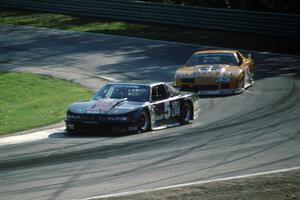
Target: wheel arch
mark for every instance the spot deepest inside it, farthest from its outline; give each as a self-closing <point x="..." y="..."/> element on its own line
<point x="147" y="110"/>
<point x="189" y="101"/>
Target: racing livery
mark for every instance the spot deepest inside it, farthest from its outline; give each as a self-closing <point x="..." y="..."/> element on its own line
<point x="216" y="72"/>
<point x="133" y="107"/>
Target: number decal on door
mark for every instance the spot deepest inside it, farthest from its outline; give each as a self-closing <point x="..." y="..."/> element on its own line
<point x="171" y="109"/>
<point x="167" y="113"/>
<point x="166" y="110"/>
<point x="175" y="108"/>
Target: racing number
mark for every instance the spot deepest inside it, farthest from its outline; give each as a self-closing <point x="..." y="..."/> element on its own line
<point x="167" y="113"/>
<point x="171" y="109"/>
<point x="166" y="110"/>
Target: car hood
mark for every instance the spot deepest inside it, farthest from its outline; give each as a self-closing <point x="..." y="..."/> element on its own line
<point x="207" y="70"/>
<point x="105" y="106"/>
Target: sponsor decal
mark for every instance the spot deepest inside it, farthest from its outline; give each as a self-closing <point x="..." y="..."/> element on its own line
<point x="175" y="105"/>
<point x="101" y="106"/>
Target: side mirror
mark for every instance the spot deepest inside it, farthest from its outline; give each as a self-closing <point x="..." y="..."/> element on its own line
<point x="249" y="55"/>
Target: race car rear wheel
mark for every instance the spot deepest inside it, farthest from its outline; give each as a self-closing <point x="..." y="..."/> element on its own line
<point x="144" y="122"/>
<point x="186" y="114"/>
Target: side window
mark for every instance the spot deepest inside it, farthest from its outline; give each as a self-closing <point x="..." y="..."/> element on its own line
<point x="240" y="59"/>
<point x="172" y="91"/>
<point x="192" y="61"/>
<point x="159" y="92"/>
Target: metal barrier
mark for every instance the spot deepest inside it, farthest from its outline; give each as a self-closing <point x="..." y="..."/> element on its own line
<point x="275" y="24"/>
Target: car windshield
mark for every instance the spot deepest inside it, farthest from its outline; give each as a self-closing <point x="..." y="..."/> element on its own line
<point x="131" y="92"/>
<point x="212" y="59"/>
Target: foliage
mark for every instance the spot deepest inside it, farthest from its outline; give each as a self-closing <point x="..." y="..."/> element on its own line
<point x="289" y="6"/>
<point x="226" y="39"/>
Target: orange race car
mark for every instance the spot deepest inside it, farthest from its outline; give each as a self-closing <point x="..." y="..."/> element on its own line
<point x="216" y="72"/>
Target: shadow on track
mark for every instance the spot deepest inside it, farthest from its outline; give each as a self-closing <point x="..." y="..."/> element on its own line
<point x="89" y="134"/>
<point x="114" y="56"/>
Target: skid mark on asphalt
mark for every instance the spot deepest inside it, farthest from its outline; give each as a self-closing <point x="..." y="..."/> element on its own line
<point x="191" y="184"/>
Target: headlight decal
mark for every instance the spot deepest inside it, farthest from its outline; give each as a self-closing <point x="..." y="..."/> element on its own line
<point x="73" y="116"/>
<point x="184" y="75"/>
<point x="112" y="118"/>
<point x="222" y="79"/>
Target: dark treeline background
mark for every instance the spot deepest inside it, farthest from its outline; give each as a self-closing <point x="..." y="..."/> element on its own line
<point x="286" y="6"/>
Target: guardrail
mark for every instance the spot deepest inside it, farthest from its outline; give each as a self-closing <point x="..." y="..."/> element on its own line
<point x="275" y="24"/>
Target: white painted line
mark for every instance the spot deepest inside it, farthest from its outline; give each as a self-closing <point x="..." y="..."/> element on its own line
<point x="107" y="78"/>
<point x="190" y="184"/>
<point x="31" y="137"/>
<point x="84" y="73"/>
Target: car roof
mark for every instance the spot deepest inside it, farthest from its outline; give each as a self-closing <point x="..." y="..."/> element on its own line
<point x="215" y="51"/>
<point x="140" y="82"/>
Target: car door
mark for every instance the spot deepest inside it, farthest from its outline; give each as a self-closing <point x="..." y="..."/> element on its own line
<point x="165" y="107"/>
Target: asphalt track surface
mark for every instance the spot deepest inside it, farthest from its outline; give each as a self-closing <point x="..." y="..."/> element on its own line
<point x="256" y="131"/>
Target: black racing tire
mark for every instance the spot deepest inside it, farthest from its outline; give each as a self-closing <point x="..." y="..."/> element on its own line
<point x="251" y="77"/>
<point x="186" y="113"/>
<point x="247" y="80"/>
<point x="144" y="122"/>
<point x="243" y="84"/>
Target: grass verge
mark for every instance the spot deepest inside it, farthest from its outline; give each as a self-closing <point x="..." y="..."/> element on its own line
<point x="29" y="100"/>
<point x="151" y="31"/>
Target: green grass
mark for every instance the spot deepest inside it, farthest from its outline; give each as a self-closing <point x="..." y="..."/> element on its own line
<point x="29" y="100"/>
<point x="59" y="21"/>
<point x="151" y="31"/>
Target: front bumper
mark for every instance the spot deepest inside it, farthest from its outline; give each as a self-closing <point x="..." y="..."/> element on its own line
<point x="218" y="89"/>
<point x="220" y="92"/>
<point x="100" y="127"/>
<point x="210" y="87"/>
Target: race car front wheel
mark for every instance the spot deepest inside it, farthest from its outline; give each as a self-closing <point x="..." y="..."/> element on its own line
<point x="186" y="114"/>
<point x="144" y="122"/>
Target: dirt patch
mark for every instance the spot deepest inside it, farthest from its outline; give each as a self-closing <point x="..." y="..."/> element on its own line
<point x="279" y="186"/>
